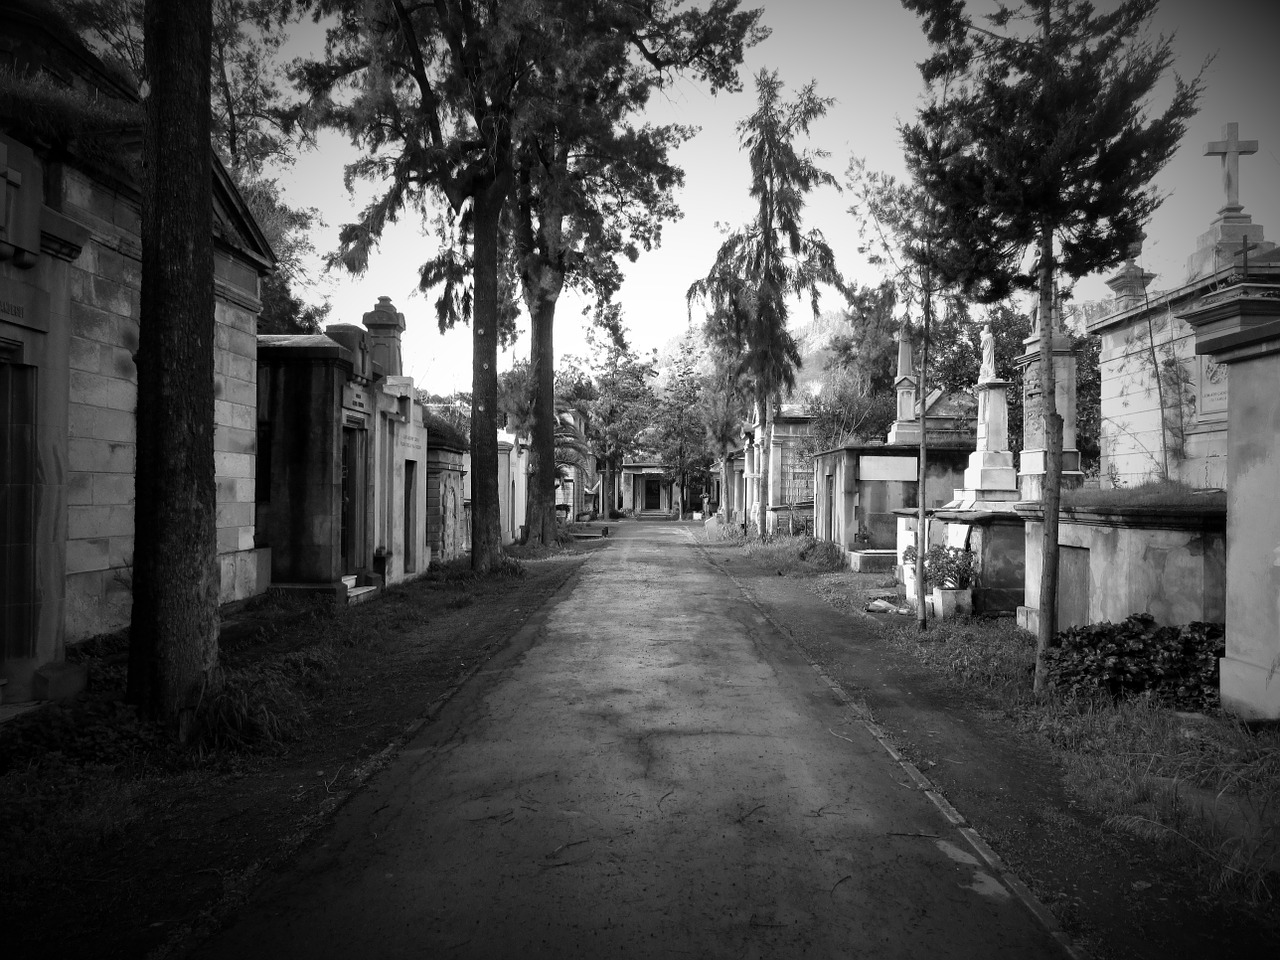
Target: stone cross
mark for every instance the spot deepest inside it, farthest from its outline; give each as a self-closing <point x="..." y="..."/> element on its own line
<point x="1230" y="148"/>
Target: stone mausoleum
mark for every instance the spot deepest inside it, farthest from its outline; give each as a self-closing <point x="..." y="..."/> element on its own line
<point x="342" y="475"/>
<point x="70" y="282"/>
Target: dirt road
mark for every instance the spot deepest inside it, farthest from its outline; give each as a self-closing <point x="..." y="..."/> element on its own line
<point x="650" y="770"/>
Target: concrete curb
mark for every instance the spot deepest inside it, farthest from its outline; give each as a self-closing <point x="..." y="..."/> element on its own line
<point x="862" y="715"/>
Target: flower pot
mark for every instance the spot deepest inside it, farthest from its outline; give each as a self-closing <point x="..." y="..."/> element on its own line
<point x="948" y="603"/>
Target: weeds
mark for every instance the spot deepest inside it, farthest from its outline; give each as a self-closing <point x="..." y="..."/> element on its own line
<point x="1166" y="494"/>
<point x="795" y="556"/>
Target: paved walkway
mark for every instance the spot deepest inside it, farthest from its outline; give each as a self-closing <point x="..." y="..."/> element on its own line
<point x="654" y="773"/>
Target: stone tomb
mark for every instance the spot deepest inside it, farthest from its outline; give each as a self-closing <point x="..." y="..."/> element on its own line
<point x="863" y="488"/>
<point x="70" y="278"/>
<point x="1239" y="327"/>
<point x="1184" y="438"/>
<point x="448" y="529"/>
<point x="341" y="487"/>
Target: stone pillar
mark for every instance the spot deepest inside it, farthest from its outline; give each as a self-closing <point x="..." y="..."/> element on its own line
<point x="385" y="325"/>
<point x="1032" y="464"/>
<point x="1240" y="326"/>
<point x="990" y="477"/>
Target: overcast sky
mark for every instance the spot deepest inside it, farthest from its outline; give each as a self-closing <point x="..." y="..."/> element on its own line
<point x="864" y="54"/>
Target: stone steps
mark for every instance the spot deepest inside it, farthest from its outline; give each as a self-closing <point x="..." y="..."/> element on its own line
<point x="357" y="594"/>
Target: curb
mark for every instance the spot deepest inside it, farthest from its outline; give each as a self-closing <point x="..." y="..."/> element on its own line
<point x="1007" y="877"/>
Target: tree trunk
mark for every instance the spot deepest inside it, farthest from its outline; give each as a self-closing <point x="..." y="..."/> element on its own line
<point x="542" y="448"/>
<point x="173" y="645"/>
<point x="766" y="469"/>
<point x="486" y="509"/>
<point x="725" y="505"/>
<point x="922" y="468"/>
<point x="1052" y="492"/>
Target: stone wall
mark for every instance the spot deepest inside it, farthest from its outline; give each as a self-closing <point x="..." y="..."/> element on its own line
<point x="1194" y="403"/>
<point x="105" y="290"/>
<point x="1170" y="564"/>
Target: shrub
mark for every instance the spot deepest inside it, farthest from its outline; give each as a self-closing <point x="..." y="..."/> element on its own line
<point x="1177" y="665"/>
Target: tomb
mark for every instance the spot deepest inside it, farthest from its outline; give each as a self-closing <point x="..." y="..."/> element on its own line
<point x="866" y="494"/>
<point x="70" y="280"/>
<point x="342" y="477"/>
<point x="1239" y="328"/>
<point x="645" y="489"/>
<point x="1173" y="364"/>
<point x="1164" y="404"/>
<point x="448" y="529"/>
<point x="513" y="485"/>
<point x="864" y="489"/>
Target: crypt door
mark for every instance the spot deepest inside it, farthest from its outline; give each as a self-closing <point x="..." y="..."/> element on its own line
<point x="354" y="443"/>
<point x="17" y="509"/>
<point x="652" y="492"/>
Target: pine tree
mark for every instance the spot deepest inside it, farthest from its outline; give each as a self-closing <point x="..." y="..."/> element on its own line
<point x="1044" y="144"/>
<point x="758" y="268"/>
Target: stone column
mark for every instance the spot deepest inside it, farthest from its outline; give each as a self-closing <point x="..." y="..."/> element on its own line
<point x="1240" y="327"/>
<point x="1031" y="468"/>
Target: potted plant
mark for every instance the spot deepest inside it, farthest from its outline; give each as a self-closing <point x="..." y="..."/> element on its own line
<point x="950" y="572"/>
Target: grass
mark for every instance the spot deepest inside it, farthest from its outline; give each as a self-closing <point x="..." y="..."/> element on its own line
<point x="1164" y="494"/>
<point x="789" y="555"/>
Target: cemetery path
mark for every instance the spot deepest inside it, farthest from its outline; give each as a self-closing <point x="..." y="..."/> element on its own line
<point x="649" y="770"/>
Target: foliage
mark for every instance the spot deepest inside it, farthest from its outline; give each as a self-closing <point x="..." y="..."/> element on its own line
<point x="868" y="350"/>
<point x="455" y="409"/>
<point x="771" y="259"/>
<point x="1176" y="665"/>
<point x="1046" y="140"/>
<point x="44" y="110"/>
<point x="679" y="435"/>
<point x="252" y="125"/>
<point x="1041" y="141"/>
<point x="951" y="568"/>
<point x="615" y="390"/>
<point x="842" y="414"/>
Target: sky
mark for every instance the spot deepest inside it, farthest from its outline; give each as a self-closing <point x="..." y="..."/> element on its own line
<point x="863" y="53"/>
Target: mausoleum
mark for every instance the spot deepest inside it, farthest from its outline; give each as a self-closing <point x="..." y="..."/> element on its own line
<point x="70" y="280"/>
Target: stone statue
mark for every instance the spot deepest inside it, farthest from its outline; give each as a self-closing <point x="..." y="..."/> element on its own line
<point x="988" y="368"/>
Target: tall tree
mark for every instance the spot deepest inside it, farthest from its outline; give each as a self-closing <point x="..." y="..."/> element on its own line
<point x="899" y="225"/>
<point x="759" y="268"/>
<point x="1046" y="146"/>
<point x="679" y="436"/>
<point x="173" y="643"/>
<point x="434" y="95"/>
<point x="723" y="412"/>
<point x="592" y="184"/>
